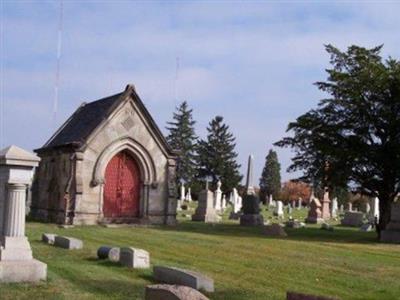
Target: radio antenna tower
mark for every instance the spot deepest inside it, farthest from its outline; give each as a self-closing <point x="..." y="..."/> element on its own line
<point x="57" y="82"/>
<point x="1" y="75"/>
<point x="176" y="81"/>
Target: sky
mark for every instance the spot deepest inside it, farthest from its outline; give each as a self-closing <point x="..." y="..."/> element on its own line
<point x="252" y="62"/>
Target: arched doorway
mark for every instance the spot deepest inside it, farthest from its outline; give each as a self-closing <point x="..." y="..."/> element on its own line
<point x="122" y="187"/>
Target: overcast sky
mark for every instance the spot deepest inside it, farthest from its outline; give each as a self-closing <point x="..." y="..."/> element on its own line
<point x="254" y="63"/>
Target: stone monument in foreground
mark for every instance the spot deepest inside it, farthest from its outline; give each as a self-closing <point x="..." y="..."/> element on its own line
<point x="392" y="232"/>
<point x="16" y="261"/>
<point x="251" y="204"/>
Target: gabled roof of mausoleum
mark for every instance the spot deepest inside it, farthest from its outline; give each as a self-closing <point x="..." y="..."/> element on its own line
<point x="89" y="116"/>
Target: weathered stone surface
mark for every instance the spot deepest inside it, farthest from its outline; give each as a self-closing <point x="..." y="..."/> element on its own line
<point x="274" y="230"/>
<point x="48" y="238"/>
<point x="314" y="214"/>
<point x="178" y="276"/>
<point x="353" y="218"/>
<point x="205" y="211"/>
<point x="134" y="258"/>
<point x="392" y="232"/>
<point x="251" y="220"/>
<point x="22" y="271"/>
<point x="251" y="205"/>
<point x="300" y="296"/>
<point x="172" y="292"/>
<point x="68" y="242"/>
<point x="114" y="254"/>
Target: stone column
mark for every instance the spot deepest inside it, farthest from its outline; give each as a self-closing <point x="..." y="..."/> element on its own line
<point x="15" y="210"/>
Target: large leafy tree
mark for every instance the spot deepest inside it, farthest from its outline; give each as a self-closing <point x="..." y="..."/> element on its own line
<point x="183" y="139"/>
<point x="354" y="135"/>
<point x="217" y="156"/>
<point x="270" y="181"/>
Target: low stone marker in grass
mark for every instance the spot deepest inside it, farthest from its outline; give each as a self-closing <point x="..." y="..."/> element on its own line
<point x="68" y="242"/>
<point x="274" y="230"/>
<point x="178" y="276"/>
<point x="353" y="218"/>
<point x="107" y="252"/>
<point x="172" y="292"/>
<point x="49" y="238"/>
<point x="300" y="296"/>
<point x="134" y="258"/>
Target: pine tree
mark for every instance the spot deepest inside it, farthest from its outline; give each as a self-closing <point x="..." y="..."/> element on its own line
<point x="270" y="181"/>
<point x="217" y="156"/>
<point x="182" y="138"/>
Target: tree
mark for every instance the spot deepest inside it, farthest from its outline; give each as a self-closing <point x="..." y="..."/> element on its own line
<point x="217" y="156"/>
<point x="183" y="139"/>
<point x="355" y="132"/>
<point x="270" y="181"/>
<point x="293" y="190"/>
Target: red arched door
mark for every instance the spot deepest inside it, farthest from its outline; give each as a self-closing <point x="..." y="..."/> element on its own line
<point x="122" y="187"/>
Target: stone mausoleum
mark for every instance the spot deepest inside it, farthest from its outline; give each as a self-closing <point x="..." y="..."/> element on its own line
<point x="108" y="163"/>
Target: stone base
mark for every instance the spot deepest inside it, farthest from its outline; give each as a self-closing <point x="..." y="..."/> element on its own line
<point x="22" y="271"/>
<point x="15" y="248"/>
<point x="251" y="220"/>
<point x="390" y="236"/>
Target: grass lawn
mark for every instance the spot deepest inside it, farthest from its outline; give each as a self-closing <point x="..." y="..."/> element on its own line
<point x="244" y="264"/>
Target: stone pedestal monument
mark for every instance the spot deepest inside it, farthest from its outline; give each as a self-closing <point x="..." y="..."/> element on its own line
<point x="315" y="214"/>
<point x="251" y="204"/>
<point x="16" y="261"/>
<point x="218" y="197"/>
<point x="205" y="211"/>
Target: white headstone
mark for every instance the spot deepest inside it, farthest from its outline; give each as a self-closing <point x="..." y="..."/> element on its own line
<point x="299" y="203"/>
<point x="270" y="200"/>
<point x="334" y="208"/>
<point x="237" y="205"/>
<point x="218" y="197"/>
<point x="223" y="202"/>
<point x="279" y="209"/>
<point x="182" y="192"/>
<point x="189" y="195"/>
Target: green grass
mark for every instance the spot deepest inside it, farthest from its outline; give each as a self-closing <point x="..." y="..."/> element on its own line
<point x="345" y="263"/>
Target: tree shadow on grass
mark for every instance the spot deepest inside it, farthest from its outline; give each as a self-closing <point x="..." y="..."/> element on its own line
<point x="340" y="234"/>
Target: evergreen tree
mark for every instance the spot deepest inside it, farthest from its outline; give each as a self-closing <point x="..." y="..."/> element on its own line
<point x="217" y="156"/>
<point x="182" y="138"/>
<point x="270" y="181"/>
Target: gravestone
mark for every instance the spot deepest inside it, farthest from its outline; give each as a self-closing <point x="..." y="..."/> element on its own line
<point x="114" y="254"/>
<point x="392" y="232"/>
<point x="102" y="252"/>
<point x="326" y="226"/>
<point x="134" y="258"/>
<point x="334" y="208"/>
<point x="205" y="211"/>
<point x="366" y="227"/>
<point x="48" y="238"/>
<point x="314" y="213"/>
<point x="325" y="211"/>
<point x="278" y="211"/>
<point x="274" y="230"/>
<point x="218" y="197"/>
<point x="184" y="277"/>
<point x="251" y="203"/>
<point x="16" y="261"/>
<point x="299" y="203"/>
<point x="353" y="219"/>
<point x="68" y="242"/>
<point x="172" y="292"/>
<point x="189" y="195"/>
<point x="223" y="205"/>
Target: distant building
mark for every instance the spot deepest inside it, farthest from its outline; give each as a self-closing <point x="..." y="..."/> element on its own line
<point x="109" y="162"/>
